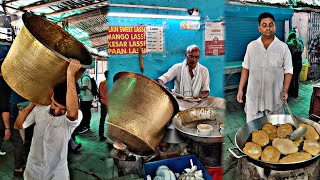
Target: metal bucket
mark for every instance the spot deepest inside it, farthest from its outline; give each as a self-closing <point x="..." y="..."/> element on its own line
<point x="38" y="59"/>
<point x="139" y="110"/>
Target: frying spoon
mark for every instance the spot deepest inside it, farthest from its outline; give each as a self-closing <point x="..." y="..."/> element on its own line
<point x="299" y="132"/>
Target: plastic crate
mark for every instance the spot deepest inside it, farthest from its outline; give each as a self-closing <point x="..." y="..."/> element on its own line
<point x="177" y="165"/>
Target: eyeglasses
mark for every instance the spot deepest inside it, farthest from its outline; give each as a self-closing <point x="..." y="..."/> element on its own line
<point x="191" y="56"/>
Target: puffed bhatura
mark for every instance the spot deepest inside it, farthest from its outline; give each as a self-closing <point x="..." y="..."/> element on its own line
<point x="311" y="146"/>
<point x="260" y="137"/>
<point x="271" y="130"/>
<point x="270" y="154"/>
<point x="253" y="150"/>
<point x="284" y="130"/>
<point x="311" y="132"/>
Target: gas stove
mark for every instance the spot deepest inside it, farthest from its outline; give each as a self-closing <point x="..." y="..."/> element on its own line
<point x="247" y="170"/>
<point x="209" y="154"/>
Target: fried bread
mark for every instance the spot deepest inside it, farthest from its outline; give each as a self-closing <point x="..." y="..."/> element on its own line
<point x="296" y="157"/>
<point x="270" y="154"/>
<point x="285" y="146"/>
<point x="271" y="130"/>
<point x="253" y="150"/>
<point x="311" y="132"/>
<point x="260" y="137"/>
<point x="298" y="141"/>
<point x="311" y="146"/>
<point x="284" y="130"/>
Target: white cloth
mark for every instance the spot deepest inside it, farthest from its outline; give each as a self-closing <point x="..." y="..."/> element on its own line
<point x="85" y="95"/>
<point x="251" y="116"/>
<point x="190" y="87"/>
<point x="47" y="158"/>
<point x="214" y="102"/>
<point x="175" y="73"/>
<point x="266" y="75"/>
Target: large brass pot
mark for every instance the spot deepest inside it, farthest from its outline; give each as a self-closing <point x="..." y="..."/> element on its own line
<point x="37" y="59"/>
<point x="139" y="110"/>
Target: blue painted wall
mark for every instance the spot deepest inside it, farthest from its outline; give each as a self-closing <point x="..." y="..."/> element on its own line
<point x="242" y="26"/>
<point x="175" y="40"/>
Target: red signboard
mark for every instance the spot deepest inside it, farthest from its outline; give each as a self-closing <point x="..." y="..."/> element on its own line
<point x="214" y="47"/>
<point x="126" y="39"/>
<point x="214" y="39"/>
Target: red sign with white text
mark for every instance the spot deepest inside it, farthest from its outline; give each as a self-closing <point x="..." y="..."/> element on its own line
<point x="214" y="39"/>
<point x="126" y="39"/>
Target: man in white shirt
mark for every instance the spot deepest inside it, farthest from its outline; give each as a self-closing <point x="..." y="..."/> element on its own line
<point x="267" y="67"/>
<point x="54" y="125"/>
<point x="191" y="82"/>
<point x="86" y="99"/>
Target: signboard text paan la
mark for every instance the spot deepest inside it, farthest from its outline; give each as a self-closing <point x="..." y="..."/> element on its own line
<point x="126" y="39"/>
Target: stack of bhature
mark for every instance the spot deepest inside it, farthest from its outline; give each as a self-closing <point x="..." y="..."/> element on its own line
<point x="272" y="144"/>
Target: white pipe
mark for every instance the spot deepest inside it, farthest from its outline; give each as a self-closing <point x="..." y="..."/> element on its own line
<point x="152" y="16"/>
<point x="148" y="7"/>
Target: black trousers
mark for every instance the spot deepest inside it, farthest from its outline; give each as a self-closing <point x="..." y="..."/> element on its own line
<point x="15" y="138"/>
<point x="294" y="85"/>
<point x="85" y="107"/>
<point x="103" y="114"/>
<point x="17" y="142"/>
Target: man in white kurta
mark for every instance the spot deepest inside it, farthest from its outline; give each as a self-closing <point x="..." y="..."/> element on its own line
<point x="268" y="68"/>
<point x="54" y="125"/>
<point x="49" y="149"/>
<point x="191" y="79"/>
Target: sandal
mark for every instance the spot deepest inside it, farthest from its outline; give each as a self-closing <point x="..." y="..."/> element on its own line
<point x="18" y="174"/>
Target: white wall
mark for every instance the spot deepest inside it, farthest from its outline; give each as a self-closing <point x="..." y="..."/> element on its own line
<point x="300" y="21"/>
<point x="102" y="66"/>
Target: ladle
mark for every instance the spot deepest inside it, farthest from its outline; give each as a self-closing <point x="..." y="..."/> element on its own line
<point x="299" y="132"/>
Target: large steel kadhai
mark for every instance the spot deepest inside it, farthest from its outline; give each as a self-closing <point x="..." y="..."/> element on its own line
<point x="244" y="132"/>
<point x="186" y="122"/>
<point x="139" y="111"/>
<point x="38" y="59"/>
